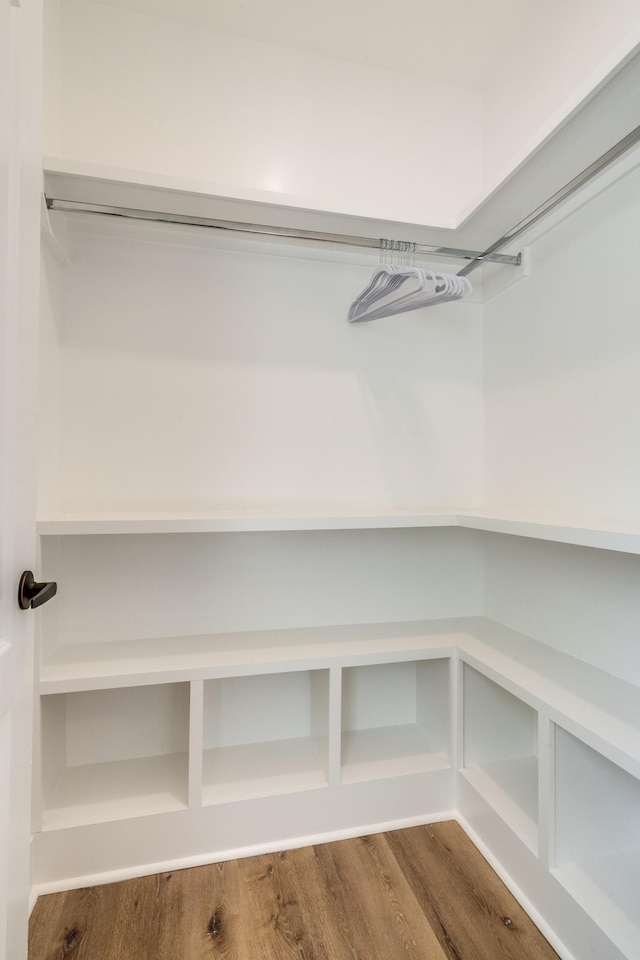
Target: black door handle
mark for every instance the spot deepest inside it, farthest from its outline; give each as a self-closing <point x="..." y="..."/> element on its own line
<point x="32" y="594"/>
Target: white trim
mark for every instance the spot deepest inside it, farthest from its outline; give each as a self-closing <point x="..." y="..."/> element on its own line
<point x="517" y="892"/>
<point x="239" y="853"/>
<point x="131" y="873"/>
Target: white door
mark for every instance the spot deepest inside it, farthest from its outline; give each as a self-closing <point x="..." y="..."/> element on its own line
<point x="19" y="238"/>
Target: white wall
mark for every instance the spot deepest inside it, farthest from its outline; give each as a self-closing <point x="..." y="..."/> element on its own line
<point x="136" y="587"/>
<point x="201" y="376"/>
<point x="52" y="75"/>
<point x="562" y="390"/>
<point x="562" y="431"/>
<point x="49" y="386"/>
<point x="259" y="121"/>
<point x="580" y="601"/>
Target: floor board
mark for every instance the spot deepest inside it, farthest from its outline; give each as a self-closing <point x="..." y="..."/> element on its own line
<point x="424" y="893"/>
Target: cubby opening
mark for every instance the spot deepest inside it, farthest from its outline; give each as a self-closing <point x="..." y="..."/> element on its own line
<point x="500" y="752"/>
<point x="114" y="754"/>
<point x="265" y="735"/>
<point x="597" y="838"/>
<point x="395" y="719"/>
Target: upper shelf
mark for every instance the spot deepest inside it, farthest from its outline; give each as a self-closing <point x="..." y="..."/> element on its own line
<point x="601" y="534"/>
<point x="245" y="521"/>
<point x="604" y="119"/>
<point x="468" y="150"/>
<point x="109" y="186"/>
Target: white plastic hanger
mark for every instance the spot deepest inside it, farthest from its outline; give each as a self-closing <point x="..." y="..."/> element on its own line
<point x="384" y="281"/>
<point x="382" y="297"/>
<point x="425" y="289"/>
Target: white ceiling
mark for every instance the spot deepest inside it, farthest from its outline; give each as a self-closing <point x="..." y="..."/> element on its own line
<point x="459" y="42"/>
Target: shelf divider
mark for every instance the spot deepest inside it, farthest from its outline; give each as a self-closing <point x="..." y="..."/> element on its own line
<point x="196" y="741"/>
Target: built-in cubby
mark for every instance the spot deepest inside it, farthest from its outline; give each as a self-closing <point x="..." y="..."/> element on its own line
<point x="114" y="754"/>
<point x="500" y="752"/>
<point x="597" y="838"/>
<point x="395" y="719"/>
<point x="265" y="735"/>
<point x="225" y="727"/>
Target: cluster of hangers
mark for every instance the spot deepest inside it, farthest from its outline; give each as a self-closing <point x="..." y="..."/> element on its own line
<point x="398" y="288"/>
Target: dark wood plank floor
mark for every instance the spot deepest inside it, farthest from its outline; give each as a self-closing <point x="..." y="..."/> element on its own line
<point x="424" y="893"/>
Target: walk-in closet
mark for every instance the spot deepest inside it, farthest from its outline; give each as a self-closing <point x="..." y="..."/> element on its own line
<point x="327" y="364"/>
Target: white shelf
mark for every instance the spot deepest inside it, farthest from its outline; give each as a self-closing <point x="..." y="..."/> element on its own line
<point x="389" y="752"/>
<point x="608" y="889"/>
<point x="246" y="521"/>
<point x="261" y="770"/>
<point x="114" y="754"/>
<point x="395" y="719"/>
<point x="261" y="735"/>
<point x="94" y="183"/>
<point x="587" y="532"/>
<point x="597" y="838"/>
<point x="500" y="752"/>
<point x="117" y="790"/>
<point x="601" y="533"/>
<point x="511" y="788"/>
<point x="596" y="706"/>
<point x="96" y="666"/>
<point x="69" y="179"/>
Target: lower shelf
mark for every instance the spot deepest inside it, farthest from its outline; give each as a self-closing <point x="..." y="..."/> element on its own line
<point x="389" y="752"/>
<point x="608" y="889"/>
<point x="511" y="788"/>
<point x="117" y="790"/>
<point x="261" y="770"/>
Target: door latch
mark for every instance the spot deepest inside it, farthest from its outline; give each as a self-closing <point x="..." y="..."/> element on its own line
<point x="33" y="594"/>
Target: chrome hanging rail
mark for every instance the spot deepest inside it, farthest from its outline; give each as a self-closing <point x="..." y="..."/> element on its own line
<point x="287" y="233"/>
<point x="579" y="181"/>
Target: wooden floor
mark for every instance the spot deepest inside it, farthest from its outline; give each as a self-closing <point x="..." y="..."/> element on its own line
<point x="424" y="893"/>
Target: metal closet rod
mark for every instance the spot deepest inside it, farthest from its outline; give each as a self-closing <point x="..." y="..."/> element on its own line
<point x="579" y="181"/>
<point x="402" y="246"/>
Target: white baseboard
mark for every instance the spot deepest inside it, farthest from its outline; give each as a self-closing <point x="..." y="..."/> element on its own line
<point x="513" y="888"/>
<point x="293" y="843"/>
